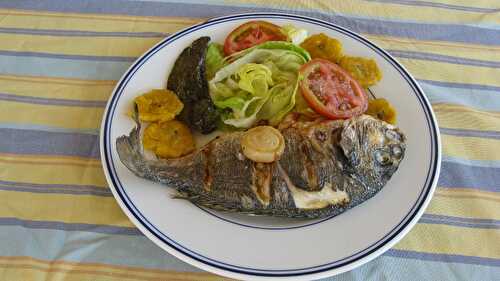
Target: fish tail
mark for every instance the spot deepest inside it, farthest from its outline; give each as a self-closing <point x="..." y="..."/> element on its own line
<point x="130" y="150"/>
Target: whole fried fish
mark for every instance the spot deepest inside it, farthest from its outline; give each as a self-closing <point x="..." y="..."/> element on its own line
<point x="327" y="167"/>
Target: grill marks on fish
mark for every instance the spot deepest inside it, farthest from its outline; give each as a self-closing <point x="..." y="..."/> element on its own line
<point x="310" y="171"/>
<point x="261" y="182"/>
<point x="207" y="163"/>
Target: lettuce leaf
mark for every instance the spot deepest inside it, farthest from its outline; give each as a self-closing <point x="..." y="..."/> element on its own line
<point x="214" y="59"/>
<point x="272" y="45"/>
<point x="259" y="85"/>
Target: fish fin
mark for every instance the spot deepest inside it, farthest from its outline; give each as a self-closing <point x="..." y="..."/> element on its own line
<point x="184" y="195"/>
<point x="130" y="149"/>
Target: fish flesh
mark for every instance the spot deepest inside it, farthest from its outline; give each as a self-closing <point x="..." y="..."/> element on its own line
<point x="326" y="168"/>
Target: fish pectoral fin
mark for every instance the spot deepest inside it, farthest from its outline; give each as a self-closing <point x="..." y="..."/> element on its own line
<point x="314" y="199"/>
<point x="180" y="195"/>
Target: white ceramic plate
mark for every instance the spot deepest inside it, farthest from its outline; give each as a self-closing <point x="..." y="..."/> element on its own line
<point x="246" y="247"/>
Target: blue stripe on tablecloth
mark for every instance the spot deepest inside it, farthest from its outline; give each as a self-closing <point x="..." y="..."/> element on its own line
<point x="55" y="188"/>
<point x="80" y="33"/>
<point x="44" y="128"/>
<point x="465" y="176"/>
<point x="439" y="5"/>
<point x="488" y="100"/>
<point x="65" y="68"/>
<point x="115" y="249"/>
<point x="392" y="267"/>
<point x="448" y="258"/>
<point x="105" y="248"/>
<point x="470" y="162"/>
<point x="443" y="58"/>
<point x="52" y="101"/>
<point x="421" y="31"/>
<point x="461" y="85"/>
<point x="460" y="222"/>
<point x="56" y="225"/>
<point x="54" y="143"/>
<point x="67" y="57"/>
<point x="470" y="133"/>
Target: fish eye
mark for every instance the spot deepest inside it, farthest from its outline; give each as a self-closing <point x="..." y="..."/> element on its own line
<point x="396" y="151"/>
<point x="383" y="157"/>
<point x="393" y="135"/>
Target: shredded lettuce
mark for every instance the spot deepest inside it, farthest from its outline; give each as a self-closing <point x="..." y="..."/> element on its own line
<point x="214" y="59"/>
<point x="272" y="45"/>
<point x="260" y="84"/>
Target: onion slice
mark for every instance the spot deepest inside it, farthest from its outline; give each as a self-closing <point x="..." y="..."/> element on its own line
<point x="263" y="144"/>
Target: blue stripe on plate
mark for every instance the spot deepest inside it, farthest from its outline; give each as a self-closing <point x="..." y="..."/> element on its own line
<point x="55" y="188"/>
<point x="421" y="31"/>
<point x="53" y="143"/>
<point x="52" y="101"/>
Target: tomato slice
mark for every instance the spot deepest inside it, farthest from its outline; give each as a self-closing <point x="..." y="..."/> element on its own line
<point x="331" y="91"/>
<point x="252" y="33"/>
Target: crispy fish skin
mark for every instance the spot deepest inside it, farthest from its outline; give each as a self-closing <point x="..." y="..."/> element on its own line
<point x="327" y="167"/>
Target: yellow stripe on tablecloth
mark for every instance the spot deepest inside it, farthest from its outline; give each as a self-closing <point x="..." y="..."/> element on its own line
<point x="46" y="87"/>
<point x="461" y="117"/>
<point x="471" y="148"/>
<point x="64" y="208"/>
<point x="452" y="240"/>
<point x="467" y="193"/>
<point x="36" y="269"/>
<point x="51" y="115"/>
<point x="70" y="45"/>
<point x="466" y="51"/>
<point x="447" y="72"/>
<point x="93" y="22"/>
<point x="377" y="10"/>
<point x="51" y="170"/>
<point x="464" y="206"/>
<point x="49" y="159"/>
<point x="467" y="3"/>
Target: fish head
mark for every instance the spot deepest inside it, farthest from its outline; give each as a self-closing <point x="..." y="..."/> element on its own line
<point x="373" y="148"/>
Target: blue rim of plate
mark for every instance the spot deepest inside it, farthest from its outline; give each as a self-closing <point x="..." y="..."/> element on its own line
<point x="127" y="202"/>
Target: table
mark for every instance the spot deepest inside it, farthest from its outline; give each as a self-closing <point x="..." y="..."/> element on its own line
<point x="59" y="61"/>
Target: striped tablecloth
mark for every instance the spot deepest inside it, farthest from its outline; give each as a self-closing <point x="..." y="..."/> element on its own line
<point x="59" y="61"/>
